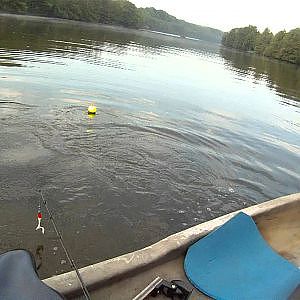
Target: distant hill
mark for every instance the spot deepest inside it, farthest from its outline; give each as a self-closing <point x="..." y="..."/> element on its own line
<point x="115" y="12"/>
<point x="159" y="20"/>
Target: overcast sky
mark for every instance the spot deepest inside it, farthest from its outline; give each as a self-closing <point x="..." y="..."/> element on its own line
<point x="225" y="15"/>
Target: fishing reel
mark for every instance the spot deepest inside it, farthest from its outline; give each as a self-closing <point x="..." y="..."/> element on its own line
<point x="175" y="289"/>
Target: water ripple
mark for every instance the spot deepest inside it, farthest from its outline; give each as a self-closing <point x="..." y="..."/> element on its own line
<point x="184" y="132"/>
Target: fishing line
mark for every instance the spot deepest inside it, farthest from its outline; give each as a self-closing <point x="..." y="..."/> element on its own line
<point x="71" y="261"/>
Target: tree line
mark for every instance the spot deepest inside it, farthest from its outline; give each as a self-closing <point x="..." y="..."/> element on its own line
<point x="283" y="45"/>
<point x="115" y="12"/>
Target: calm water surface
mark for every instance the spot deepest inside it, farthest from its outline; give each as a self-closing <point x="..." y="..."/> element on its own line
<point x="185" y="132"/>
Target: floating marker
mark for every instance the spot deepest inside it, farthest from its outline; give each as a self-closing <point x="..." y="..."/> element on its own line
<point x="92" y="109"/>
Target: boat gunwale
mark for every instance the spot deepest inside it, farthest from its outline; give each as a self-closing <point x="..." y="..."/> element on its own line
<point x="109" y="271"/>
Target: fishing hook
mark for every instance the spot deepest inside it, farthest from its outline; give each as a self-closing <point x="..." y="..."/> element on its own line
<point x="39" y="218"/>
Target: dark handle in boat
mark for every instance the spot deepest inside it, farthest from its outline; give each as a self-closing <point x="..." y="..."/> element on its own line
<point x="176" y="289"/>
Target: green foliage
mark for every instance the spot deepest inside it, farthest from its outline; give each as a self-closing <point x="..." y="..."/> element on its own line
<point x="290" y="50"/>
<point x="13" y="6"/>
<point x="241" y="38"/>
<point x="274" y="50"/>
<point x="263" y="41"/>
<point x="284" y="45"/>
<point x="118" y="12"/>
<point x="125" y="13"/>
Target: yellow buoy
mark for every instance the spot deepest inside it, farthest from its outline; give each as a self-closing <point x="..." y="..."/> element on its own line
<point x="91" y="116"/>
<point x="92" y="109"/>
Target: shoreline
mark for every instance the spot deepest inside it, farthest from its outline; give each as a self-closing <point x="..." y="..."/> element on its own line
<point x="149" y="33"/>
<point x="66" y="21"/>
<point x="252" y="52"/>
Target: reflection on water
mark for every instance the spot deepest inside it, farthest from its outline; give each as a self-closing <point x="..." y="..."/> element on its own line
<point x="184" y="132"/>
<point x="39" y="256"/>
<point x="284" y="78"/>
<point x="48" y="42"/>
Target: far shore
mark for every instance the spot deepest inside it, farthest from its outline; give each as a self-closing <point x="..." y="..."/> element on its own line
<point x="67" y="21"/>
<point x="145" y="32"/>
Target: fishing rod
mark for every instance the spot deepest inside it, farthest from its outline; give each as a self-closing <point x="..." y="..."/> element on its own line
<point x="71" y="261"/>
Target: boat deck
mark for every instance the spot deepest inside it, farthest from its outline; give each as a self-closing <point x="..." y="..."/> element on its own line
<point x="281" y="229"/>
<point x="126" y="276"/>
<point x="130" y="287"/>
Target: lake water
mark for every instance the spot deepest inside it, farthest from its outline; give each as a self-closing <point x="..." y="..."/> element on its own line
<point x="185" y="132"/>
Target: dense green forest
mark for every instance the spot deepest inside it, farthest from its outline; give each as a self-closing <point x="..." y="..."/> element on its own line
<point x="283" y="45"/>
<point x="117" y="12"/>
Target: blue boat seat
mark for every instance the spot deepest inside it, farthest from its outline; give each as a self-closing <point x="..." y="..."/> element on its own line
<point x="234" y="262"/>
<point x="19" y="279"/>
